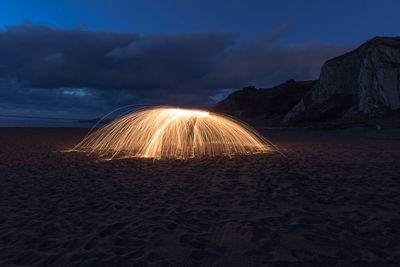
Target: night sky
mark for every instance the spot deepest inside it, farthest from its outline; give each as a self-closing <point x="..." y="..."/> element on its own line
<point x="82" y="59"/>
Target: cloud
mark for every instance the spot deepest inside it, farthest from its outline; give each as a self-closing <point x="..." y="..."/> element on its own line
<point x="266" y="63"/>
<point x="180" y="69"/>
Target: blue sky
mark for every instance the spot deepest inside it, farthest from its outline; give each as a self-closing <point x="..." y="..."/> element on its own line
<point x="351" y="21"/>
<point x="85" y="58"/>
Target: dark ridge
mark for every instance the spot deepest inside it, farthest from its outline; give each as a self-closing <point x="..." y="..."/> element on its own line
<point x="96" y="120"/>
<point x="265" y="105"/>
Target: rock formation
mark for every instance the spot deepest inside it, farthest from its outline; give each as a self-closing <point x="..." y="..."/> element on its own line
<point x="362" y="83"/>
<point x="260" y="106"/>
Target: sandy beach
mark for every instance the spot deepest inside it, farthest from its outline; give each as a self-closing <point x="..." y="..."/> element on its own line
<point x="335" y="200"/>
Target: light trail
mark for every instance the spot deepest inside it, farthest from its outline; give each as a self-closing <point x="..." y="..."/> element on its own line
<point x="166" y="132"/>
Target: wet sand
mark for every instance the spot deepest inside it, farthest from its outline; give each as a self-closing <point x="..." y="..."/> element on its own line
<point x="334" y="201"/>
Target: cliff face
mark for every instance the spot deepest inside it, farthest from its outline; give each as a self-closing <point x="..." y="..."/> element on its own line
<point x="363" y="82"/>
<point x="264" y="105"/>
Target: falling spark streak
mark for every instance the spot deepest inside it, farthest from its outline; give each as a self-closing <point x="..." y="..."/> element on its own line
<point x="156" y="135"/>
<point x="166" y="132"/>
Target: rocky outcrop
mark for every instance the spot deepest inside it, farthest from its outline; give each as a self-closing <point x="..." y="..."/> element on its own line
<point x="362" y="83"/>
<point x="265" y="105"/>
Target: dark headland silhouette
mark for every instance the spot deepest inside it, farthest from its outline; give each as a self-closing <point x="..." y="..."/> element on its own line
<point x="361" y="86"/>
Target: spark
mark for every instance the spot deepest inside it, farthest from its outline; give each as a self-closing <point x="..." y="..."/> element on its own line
<point x="166" y="132"/>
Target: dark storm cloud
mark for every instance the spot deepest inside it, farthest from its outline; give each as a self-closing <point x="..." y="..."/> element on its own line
<point x="121" y="68"/>
<point x="168" y="61"/>
<point x="266" y="63"/>
<point x="39" y="56"/>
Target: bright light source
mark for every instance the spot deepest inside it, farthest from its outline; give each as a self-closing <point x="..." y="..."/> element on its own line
<point x="165" y="132"/>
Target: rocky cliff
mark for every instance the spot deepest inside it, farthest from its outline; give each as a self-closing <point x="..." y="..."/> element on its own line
<point x="265" y="105"/>
<point x="363" y="83"/>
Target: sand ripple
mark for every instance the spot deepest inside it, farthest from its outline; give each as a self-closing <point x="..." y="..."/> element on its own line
<point x="336" y="200"/>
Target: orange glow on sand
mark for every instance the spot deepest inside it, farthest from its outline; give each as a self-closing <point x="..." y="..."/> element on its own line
<point x="166" y="132"/>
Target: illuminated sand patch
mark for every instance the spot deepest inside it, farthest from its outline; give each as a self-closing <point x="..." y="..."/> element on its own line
<point x="165" y="132"/>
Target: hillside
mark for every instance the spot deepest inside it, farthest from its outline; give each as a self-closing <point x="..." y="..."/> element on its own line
<point x="362" y="85"/>
<point x="264" y="105"/>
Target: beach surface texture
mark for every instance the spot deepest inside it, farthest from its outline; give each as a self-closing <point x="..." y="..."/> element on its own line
<point x="334" y="200"/>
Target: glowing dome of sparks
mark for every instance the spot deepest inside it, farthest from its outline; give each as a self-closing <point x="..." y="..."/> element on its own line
<point x="165" y="132"/>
